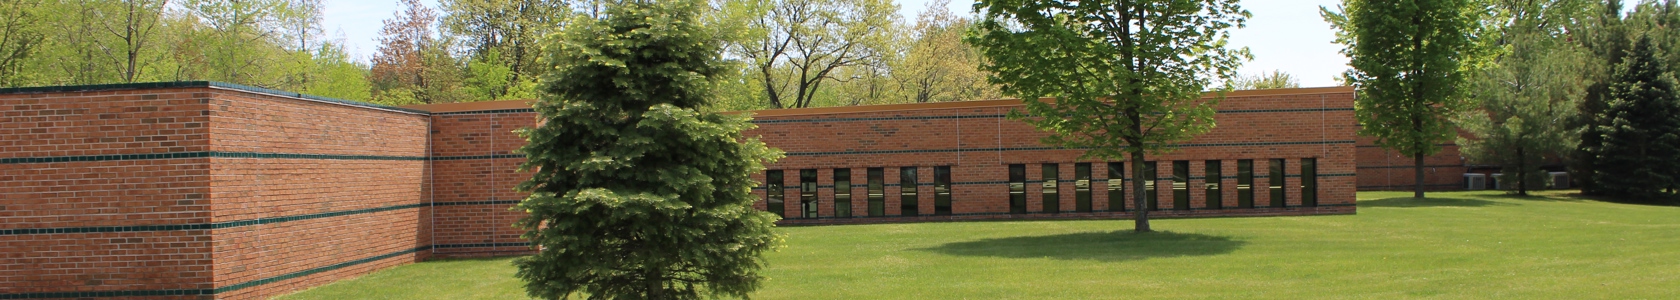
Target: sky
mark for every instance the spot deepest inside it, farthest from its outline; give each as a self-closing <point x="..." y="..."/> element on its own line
<point x="1283" y="35"/>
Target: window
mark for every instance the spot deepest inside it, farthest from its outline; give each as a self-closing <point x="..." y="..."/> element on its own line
<point x="808" y="193"/>
<point x="877" y="192"/>
<point x="1277" y="183"/>
<point x="1017" y="189"/>
<point x="1052" y="199"/>
<point x="1309" y="182"/>
<point x="942" y="191"/>
<point x="1212" y="180"/>
<point x="1149" y="198"/>
<point x="1245" y="183"/>
<point x="773" y="192"/>
<point x="1082" y="187"/>
<point x="843" y="193"/>
<point x="1116" y="187"/>
<point x="1181" y="185"/>
<point x="907" y="191"/>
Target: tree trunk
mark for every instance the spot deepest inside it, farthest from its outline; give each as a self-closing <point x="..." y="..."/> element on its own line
<point x="1141" y="214"/>
<point x="1417" y="191"/>
<point x="1522" y="174"/>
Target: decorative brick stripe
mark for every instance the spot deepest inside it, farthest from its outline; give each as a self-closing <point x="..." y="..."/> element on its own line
<point x="492" y="156"/>
<point x="1051" y="148"/>
<point x="218" y="154"/>
<point x="491" y="202"/>
<point x="202" y="154"/>
<point x="1407" y="186"/>
<point x="313" y="271"/>
<point x="1442" y="145"/>
<point x="486" y="112"/>
<point x="1409" y="167"/>
<point x="1042" y="214"/>
<point x="481" y="245"/>
<point x="994" y="116"/>
<point x="107" y="294"/>
<point x="856" y="185"/>
<point x="240" y="223"/>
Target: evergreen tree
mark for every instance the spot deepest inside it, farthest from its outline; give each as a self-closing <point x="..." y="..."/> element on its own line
<point x="635" y="192"/>
<point x="1605" y="36"/>
<point x="1640" y="156"/>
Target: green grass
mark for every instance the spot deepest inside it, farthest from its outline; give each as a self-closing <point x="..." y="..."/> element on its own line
<point x="1457" y="246"/>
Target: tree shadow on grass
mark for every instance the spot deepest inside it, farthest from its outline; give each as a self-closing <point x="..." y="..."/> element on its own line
<point x="1097" y="246"/>
<point x="1408" y="202"/>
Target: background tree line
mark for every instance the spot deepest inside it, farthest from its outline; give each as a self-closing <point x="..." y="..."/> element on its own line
<point x="1586" y="82"/>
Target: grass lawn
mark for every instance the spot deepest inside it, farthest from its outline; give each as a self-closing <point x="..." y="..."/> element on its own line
<point x="1462" y="245"/>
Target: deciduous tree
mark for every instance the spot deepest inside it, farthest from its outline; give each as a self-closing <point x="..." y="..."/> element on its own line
<point x="939" y="66"/>
<point x="796" y="46"/>
<point x="1524" y="101"/>
<point x="1266" y="80"/>
<point x="636" y="193"/>
<point x="1411" y="63"/>
<point x="1128" y="76"/>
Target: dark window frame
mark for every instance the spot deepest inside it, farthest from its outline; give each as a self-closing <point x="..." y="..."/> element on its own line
<point x="842" y="193"/>
<point x="1116" y="184"/>
<point x="877" y="194"/>
<point x="909" y="196"/>
<point x="1017" y="188"/>
<point x="775" y="193"/>
<point x="1052" y="195"/>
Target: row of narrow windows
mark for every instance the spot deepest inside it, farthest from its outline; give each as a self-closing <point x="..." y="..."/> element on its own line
<point x="910" y="189"/>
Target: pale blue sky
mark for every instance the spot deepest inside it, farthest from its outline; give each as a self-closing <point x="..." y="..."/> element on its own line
<point x="1285" y="35"/>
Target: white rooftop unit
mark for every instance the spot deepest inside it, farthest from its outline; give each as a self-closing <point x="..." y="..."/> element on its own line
<point x="1475" y="181"/>
<point x="1560" y="180"/>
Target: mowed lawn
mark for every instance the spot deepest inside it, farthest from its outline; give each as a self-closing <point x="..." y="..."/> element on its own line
<point x="1462" y="245"/>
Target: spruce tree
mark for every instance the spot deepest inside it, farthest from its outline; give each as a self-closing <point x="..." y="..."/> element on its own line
<point x="635" y="192"/>
<point x="1639" y="159"/>
<point x="1605" y="36"/>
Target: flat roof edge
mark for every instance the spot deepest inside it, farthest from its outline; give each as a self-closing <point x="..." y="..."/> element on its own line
<point x="204" y="84"/>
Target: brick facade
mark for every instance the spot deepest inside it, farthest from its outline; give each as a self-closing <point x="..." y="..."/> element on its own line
<point x="978" y="143"/>
<point x="217" y="191"/>
<point x="203" y="190"/>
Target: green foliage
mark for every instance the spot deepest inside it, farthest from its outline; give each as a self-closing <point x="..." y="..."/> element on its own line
<point x="1127" y="77"/>
<point x="21" y="36"/>
<point x="938" y="66"/>
<point x="1640" y="154"/>
<point x="1604" y="35"/>
<point x="635" y="192"/>
<point x="799" y="48"/>
<point x="501" y="40"/>
<point x="1411" y="62"/>
<point x="1264" y="81"/>
<point x="1526" y="99"/>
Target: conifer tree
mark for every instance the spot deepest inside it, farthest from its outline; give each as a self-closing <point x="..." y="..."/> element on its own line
<point x="1640" y="156"/>
<point x="635" y="192"/>
<point x="1605" y="36"/>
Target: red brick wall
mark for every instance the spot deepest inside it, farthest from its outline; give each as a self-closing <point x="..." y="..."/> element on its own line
<point x="361" y="190"/>
<point x="128" y="199"/>
<point x="474" y="161"/>
<point x="1385" y="170"/>
<point x="271" y="194"/>
<point x="979" y="145"/>
<point x="244" y="195"/>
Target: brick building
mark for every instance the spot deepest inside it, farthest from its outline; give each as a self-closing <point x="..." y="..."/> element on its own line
<point x="210" y="190"/>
